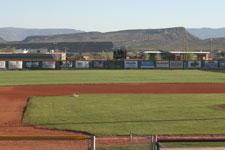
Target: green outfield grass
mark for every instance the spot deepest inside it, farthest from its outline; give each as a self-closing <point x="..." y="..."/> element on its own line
<point x="109" y="76"/>
<point x="117" y="114"/>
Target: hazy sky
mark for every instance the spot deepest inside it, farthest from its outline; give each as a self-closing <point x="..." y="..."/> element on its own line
<point x="112" y="15"/>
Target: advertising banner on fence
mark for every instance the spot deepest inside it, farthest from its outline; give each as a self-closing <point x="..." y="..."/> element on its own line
<point x="99" y="64"/>
<point x="131" y="64"/>
<point x="119" y="64"/>
<point x="162" y="64"/>
<point x="32" y="64"/>
<point x="15" y="65"/>
<point x="222" y="64"/>
<point x="48" y="64"/>
<point x="82" y="64"/>
<point x="147" y="64"/>
<point x="194" y="64"/>
<point x="2" y="65"/>
<point x="211" y="64"/>
<point x="176" y="64"/>
<point x="66" y="65"/>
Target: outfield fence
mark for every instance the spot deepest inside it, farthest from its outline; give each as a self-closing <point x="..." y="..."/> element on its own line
<point x="153" y="142"/>
<point x="160" y="143"/>
<point x="96" y="64"/>
<point x="132" y="142"/>
<point x="141" y="142"/>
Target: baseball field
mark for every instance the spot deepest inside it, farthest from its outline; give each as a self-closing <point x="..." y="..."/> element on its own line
<point x="112" y="102"/>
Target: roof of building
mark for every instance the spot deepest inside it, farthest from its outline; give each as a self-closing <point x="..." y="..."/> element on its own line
<point x="153" y="52"/>
<point x="193" y="52"/>
<point x="177" y="52"/>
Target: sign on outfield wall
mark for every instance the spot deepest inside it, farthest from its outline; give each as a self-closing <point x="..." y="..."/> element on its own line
<point x="66" y="65"/>
<point x="82" y="64"/>
<point x="194" y="64"/>
<point x="15" y="65"/>
<point x="162" y="64"/>
<point x="131" y="64"/>
<point x="222" y="64"/>
<point x="147" y="64"/>
<point x="176" y="64"/>
<point x="2" y="65"/>
<point x="32" y="64"/>
<point x="48" y="64"/>
<point x="99" y="64"/>
<point x="211" y="64"/>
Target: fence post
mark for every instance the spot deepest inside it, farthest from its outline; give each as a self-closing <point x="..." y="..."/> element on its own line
<point x="93" y="143"/>
<point x="151" y="144"/>
<point x="131" y="140"/>
<point x="156" y="142"/>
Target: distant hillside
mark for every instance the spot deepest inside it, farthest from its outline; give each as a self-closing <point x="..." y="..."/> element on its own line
<point x="19" y="34"/>
<point x="133" y="39"/>
<point x="206" y="33"/>
<point x="149" y="39"/>
<point x="2" y="41"/>
<point x="217" y="43"/>
<point x="119" y="36"/>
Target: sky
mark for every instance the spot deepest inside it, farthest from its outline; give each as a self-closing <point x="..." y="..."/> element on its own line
<point x="112" y="15"/>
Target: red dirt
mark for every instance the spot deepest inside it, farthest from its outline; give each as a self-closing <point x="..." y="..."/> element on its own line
<point x="43" y="145"/>
<point x="221" y="106"/>
<point x="13" y="99"/>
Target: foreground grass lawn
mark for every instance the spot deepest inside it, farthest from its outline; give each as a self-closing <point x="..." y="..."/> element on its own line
<point x="117" y="114"/>
<point x="109" y="76"/>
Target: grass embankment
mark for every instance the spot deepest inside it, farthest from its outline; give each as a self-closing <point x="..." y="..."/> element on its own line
<point x="117" y="114"/>
<point x="109" y="76"/>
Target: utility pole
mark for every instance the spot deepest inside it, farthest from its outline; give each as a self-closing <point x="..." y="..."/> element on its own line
<point x="185" y="48"/>
<point x="210" y="40"/>
<point x="65" y="49"/>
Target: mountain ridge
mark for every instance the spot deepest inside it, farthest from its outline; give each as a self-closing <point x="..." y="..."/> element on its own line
<point x="2" y="40"/>
<point x="177" y="33"/>
<point x="19" y="34"/>
<point x="206" y="33"/>
<point x="168" y="39"/>
<point x="132" y="39"/>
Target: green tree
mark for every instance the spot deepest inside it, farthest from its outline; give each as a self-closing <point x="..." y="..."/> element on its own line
<point x="109" y="55"/>
<point x="192" y="56"/>
<point x="158" y="56"/>
<point x="146" y="56"/>
<point x="103" y="55"/>
<point x="12" y="49"/>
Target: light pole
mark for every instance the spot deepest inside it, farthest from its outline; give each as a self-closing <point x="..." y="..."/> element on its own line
<point x="210" y="43"/>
